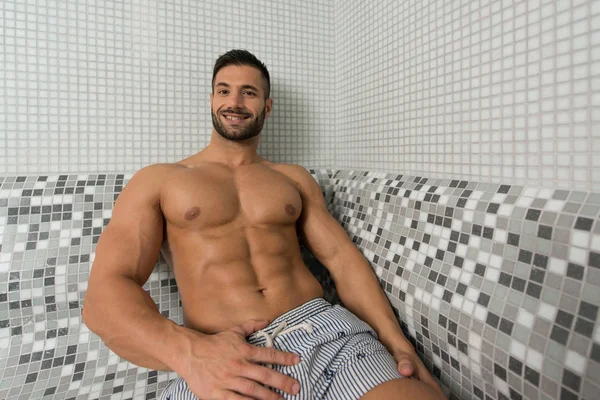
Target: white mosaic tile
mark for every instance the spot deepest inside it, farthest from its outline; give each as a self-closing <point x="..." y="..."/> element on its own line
<point x="114" y="86"/>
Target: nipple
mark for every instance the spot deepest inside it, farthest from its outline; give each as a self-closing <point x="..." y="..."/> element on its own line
<point x="290" y="209"/>
<point x="192" y="213"/>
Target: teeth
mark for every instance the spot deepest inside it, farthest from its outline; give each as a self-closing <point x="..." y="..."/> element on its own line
<point x="233" y="118"/>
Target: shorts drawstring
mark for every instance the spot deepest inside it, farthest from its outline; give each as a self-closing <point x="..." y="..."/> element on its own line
<point x="280" y="330"/>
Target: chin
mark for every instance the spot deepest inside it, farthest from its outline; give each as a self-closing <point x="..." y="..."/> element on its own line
<point x="235" y="136"/>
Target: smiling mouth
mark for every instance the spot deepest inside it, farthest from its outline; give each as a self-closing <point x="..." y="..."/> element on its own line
<point x="236" y="117"/>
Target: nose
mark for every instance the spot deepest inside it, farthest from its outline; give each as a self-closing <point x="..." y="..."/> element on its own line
<point x="236" y="100"/>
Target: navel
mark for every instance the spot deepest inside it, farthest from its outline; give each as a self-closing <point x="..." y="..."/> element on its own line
<point x="192" y="213"/>
<point x="290" y="209"/>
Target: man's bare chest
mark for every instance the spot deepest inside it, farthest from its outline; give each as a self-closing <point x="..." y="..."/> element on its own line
<point x="255" y="195"/>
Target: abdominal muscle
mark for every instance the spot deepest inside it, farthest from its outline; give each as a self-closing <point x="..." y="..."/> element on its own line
<point x="225" y="281"/>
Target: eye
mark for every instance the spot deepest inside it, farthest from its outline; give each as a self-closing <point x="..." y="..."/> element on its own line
<point x="249" y="93"/>
<point x="223" y="91"/>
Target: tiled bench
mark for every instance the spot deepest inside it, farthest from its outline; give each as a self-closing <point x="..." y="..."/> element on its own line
<point x="497" y="286"/>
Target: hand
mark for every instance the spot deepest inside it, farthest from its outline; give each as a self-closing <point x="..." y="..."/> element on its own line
<point x="409" y="364"/>
<point x="225" y="366"/>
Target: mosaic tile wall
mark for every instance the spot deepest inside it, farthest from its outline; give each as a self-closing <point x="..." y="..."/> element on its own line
<point x="497" y="286"/>
<point x="487" y="90"/>
<point x="48" y="230"/>
<point x="112" y="86"/>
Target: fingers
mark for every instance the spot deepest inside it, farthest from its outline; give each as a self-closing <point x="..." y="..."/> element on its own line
<point x="406" y="367"/>
<point x="253" y="390"/>
<point x="268" y="355"/>
<point x="271" y="378"/>
<point x="424" y="376"/>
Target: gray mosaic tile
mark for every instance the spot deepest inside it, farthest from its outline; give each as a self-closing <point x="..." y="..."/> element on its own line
<point x="524" y="275"/>
<point x="534" y="236"/>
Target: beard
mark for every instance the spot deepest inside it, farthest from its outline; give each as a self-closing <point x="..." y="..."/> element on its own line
<point x="238" y="133"/>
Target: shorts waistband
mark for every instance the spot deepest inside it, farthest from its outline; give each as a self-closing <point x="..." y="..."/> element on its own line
<point x="294" y="317"/>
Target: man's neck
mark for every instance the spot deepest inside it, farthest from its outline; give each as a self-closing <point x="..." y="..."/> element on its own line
<point x="231" y="152"/>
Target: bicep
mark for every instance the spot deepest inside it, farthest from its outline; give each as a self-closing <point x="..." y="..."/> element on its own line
<point x="130" y="244"/>
<point x="323" y="235"/>
<point x="319" y="231"/>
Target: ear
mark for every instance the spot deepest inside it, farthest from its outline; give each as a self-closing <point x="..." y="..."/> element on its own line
<point x="268" y="107"/>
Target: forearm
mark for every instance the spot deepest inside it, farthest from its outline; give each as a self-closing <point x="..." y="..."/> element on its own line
<point x="360" y="291"/>
<point x="127" y="320"/>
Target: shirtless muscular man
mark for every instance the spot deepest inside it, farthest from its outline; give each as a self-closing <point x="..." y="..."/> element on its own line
<point x="255" y="323"/>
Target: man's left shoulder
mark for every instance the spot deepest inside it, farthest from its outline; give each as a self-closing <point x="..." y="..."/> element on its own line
<point x="294" y="169"/>
<point x="295" y="172"/>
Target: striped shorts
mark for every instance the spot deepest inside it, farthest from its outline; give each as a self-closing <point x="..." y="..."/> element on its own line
<point x="341" y="358"/>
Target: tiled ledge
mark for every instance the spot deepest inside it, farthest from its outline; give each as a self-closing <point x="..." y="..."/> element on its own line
<point x="497" y="286"/>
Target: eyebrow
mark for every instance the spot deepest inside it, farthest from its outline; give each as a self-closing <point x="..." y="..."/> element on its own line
<point x="243" y="86"/>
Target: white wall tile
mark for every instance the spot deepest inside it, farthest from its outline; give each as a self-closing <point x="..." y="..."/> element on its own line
<point x="483" y="90"/>
<point x="119" y="85"/>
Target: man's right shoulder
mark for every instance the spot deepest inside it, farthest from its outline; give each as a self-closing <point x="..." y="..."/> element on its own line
<point x="155" y="173"/>
<point x="150" y="179"/>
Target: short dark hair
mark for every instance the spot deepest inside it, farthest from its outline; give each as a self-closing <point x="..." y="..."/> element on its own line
<point x="242" y="57"/>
